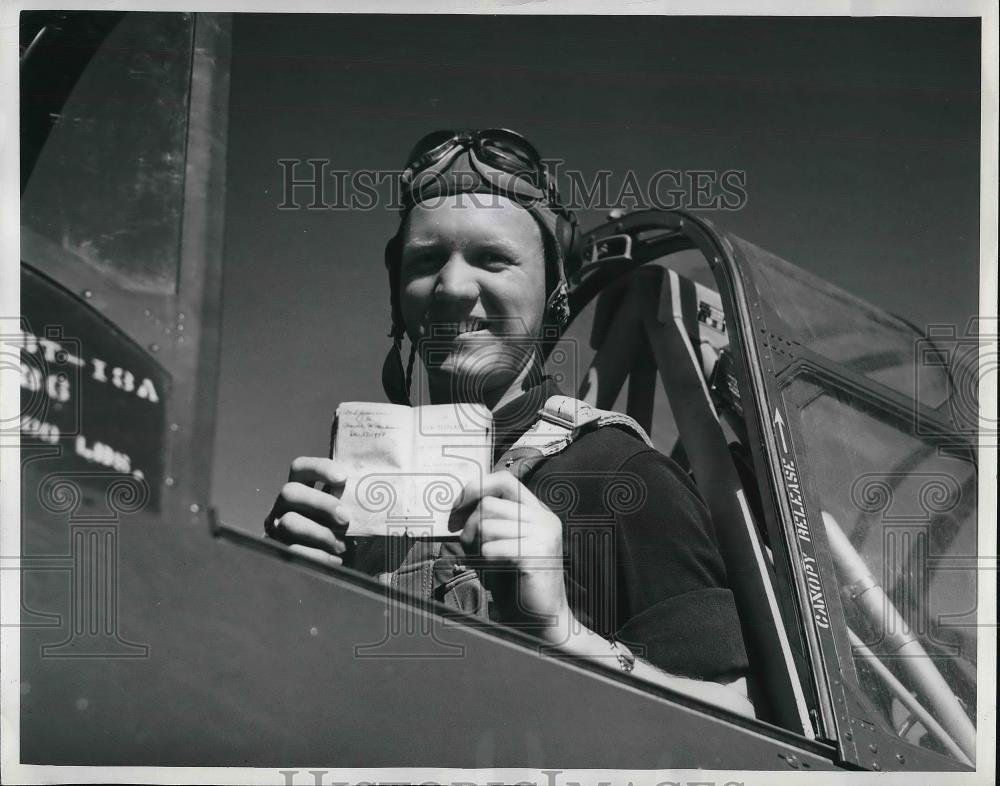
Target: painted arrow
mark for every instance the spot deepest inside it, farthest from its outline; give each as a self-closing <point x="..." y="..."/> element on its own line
<point x="779" y="423"/>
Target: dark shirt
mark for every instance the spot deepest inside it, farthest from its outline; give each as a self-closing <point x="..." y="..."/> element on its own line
<point x="642" y="563"/>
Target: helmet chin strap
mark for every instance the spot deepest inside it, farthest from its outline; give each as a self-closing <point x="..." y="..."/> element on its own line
<point x="395" y="380"/>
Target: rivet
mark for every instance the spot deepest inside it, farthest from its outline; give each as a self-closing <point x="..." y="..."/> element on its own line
<point x="169" y="481"/>
<point x="900" y="758"/>
<point x="875" y="766"/>
<point x="873" y="748"/>
<point x="195" y="507"/>
<point x="88" y="293"/>
<point x="154" y="347"/>
<point x="174" y="427"/>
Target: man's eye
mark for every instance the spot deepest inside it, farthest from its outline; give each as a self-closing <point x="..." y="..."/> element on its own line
<point x="494" y="259"/>
<point x="421" y="263"/>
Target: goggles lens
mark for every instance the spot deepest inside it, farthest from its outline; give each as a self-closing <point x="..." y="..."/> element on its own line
<point x="430" y="149"/>
<point x="499" y="148"/>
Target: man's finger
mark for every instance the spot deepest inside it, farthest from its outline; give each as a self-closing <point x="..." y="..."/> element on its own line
<point x="312" y="503"/>
<point x="315" y="469"/>
<point x="491" y="529"/>
<point x="317" y="555"/>
<point x="504" y="485"/>
<point x="469" y="525"/>
<point x="518" y="551"/>
<point x="508" y="550"/>
<point x="499" y="508"/>
<point x="497" y="484"/>
<point x="295" y="528"/>
<point x="488" y="507"/>
<point x="481" y="530"/>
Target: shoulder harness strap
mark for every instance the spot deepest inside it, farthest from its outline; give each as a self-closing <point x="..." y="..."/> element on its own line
<point x="561" y="420"/>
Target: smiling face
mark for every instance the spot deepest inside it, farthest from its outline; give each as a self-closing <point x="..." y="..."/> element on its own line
<point x="472" y="294"/>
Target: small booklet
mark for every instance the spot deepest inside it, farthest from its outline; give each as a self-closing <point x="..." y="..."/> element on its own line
<point x="406" y="466"/>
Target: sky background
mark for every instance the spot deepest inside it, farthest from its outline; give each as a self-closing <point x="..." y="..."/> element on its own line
<point x="859" y="139"/>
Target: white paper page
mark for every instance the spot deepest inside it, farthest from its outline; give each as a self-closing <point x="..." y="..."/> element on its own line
<point x="372" y="444"/>
<point x="406" y="466"/>
<point x="452" y="445"/>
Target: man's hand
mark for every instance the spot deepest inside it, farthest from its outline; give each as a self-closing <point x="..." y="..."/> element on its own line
<point x="520" y="541"/>
<point x="517" y="542"/>
<point x="311" y="520"/>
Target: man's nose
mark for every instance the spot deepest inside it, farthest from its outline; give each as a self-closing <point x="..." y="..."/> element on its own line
<point x="456" y="280"/>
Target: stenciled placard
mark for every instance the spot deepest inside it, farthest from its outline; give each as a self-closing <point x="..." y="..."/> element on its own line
<point x="88" y="388"/>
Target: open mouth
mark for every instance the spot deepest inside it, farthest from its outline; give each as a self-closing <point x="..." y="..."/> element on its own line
<point x="464" y="328"/>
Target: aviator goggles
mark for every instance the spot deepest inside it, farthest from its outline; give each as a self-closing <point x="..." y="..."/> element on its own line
<point x="517" y="167"/>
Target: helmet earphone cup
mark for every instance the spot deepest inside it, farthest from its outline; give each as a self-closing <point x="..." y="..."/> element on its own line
<point x="570" y="241"/>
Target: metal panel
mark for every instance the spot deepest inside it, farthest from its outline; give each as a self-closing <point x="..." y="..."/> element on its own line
<point x="234" y="656"/>
<point x="199" y="305"/>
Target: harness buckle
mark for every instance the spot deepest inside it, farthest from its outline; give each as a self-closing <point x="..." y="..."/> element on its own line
<point x="558" y="420"/>
<point x="606" y="249"/>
